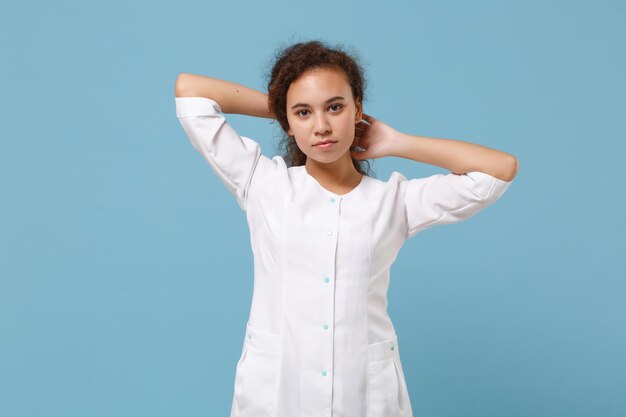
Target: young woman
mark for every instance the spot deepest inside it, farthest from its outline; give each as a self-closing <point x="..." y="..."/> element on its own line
<point x="324" y="234"/>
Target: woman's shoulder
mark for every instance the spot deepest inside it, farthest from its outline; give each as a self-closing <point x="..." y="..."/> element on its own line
<point x="391" y="181"/>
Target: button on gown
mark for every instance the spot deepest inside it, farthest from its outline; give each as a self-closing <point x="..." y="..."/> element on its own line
<point x="318" y="341"/>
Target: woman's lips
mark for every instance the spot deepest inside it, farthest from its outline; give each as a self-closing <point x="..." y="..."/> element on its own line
<point x="325" y="145"/>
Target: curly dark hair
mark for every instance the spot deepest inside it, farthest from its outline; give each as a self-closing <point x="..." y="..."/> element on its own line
<point x="289" y="63"/>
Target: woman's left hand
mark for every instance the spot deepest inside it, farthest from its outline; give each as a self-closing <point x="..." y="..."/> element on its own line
<point x="376" y="137"/>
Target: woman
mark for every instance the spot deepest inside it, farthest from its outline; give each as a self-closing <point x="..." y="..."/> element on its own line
<point x="324" y="234"/>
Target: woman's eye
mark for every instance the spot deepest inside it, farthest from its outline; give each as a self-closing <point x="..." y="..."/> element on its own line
<point x="336" y="107"/>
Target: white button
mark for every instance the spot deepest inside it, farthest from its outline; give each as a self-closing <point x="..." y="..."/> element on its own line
<point x="329" y="233"/>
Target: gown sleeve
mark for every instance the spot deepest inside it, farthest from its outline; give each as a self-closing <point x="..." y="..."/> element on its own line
<point x="448" y="198"/>
<point x="235" y="159"/>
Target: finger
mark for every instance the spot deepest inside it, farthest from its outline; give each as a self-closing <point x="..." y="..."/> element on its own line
<point x="368" y="118"/>
<point x="358" y="154"/>
<point x="355" y="154"/>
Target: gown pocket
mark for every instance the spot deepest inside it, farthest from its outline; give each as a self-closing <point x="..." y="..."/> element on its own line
<point x="257" y="373"/>
<point x="386" y="388"/>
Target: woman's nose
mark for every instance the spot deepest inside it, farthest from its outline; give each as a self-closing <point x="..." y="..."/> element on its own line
<point x="321" y="124"/>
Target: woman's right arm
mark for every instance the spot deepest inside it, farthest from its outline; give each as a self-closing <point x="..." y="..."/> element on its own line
<point x="232" y="97"/>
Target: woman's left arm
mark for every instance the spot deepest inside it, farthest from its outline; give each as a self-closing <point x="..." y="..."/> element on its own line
<point x="456" y="156"/>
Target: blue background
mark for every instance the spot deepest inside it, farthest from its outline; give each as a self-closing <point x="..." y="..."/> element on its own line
<point x="125" y="265"/>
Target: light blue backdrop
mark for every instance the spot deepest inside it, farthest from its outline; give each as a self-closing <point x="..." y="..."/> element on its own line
<point x="125" y="265"/>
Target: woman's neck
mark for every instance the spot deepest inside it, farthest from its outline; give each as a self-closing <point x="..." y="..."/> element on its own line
<point x="339" y="174"/>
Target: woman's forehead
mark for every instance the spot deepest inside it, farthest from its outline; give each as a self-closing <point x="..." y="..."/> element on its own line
<point x="318" y="87"/>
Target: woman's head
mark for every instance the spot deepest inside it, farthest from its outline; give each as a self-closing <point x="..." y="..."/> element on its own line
<point x="304" y="77"/>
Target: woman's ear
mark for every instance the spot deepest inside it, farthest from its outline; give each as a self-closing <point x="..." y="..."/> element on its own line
<point x="359" y="111"/>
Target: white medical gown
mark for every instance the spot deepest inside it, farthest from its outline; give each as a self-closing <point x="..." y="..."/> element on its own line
<point x="318" y="341"/>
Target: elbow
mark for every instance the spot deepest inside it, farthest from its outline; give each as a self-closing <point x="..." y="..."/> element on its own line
<point x="512" y="168"/>
<point x="506" y="168"/>
<point x="181" y="88"/>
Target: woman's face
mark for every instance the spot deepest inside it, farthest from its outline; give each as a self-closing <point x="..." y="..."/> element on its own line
<point x="320" y="107"/>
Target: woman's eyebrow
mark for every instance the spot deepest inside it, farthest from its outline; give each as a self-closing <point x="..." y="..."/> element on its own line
<point x="306" y="105"/>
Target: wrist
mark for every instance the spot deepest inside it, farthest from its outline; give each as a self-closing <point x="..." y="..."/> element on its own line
<point x="398" y="144"/>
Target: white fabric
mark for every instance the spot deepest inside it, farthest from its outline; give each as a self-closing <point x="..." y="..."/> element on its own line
<point x="319" y="341"/>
